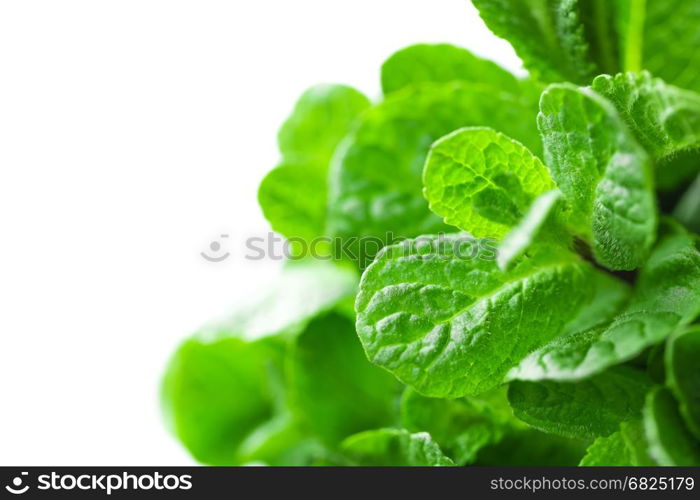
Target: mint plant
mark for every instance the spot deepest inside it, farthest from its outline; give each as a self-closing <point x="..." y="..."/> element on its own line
<point x="540" y="306"/>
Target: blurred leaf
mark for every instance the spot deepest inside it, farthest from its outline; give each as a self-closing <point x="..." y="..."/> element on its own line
<point x="334" y="390"/>
<point x="442" y="63"/>
<point x="586" y="409"/>
<point x="224" y="391"/>
<point x="611" y="295"/>
<point x="532" y="448"/>
<point x="322" y="116"/>
<point x="294" y="195"/>
<point x="670" y="442"/>
<point x="304" y="289"/>
<point x="395" y="447"/>
<point x="625" y="448"/>
<point x="671" y="41"/>
<point x="688" y="209"/>
<point x="683" y="375"/>
<point x="217" y="393"/>
<point x="460" y="426"/>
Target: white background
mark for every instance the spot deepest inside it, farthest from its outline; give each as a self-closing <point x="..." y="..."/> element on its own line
<point x="133" y="133"/>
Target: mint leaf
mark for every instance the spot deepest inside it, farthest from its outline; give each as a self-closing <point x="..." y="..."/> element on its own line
<point x="625" y="448"/>
<point x="532" y="448"/>
<point x="664" y="119"/>
<point x="396" y="447"/>
<point x="670" y="442"/>
<point x="294" y="195"/>
<point x="280" y="441"/>
<point x="442" y="63"/>
<point x="304" y="289"/>
<point x="670" y="280"/>
<point x="515" y="348"/>
<point x="610" y="296"/>
<point x="376" y="183"/>
<point x="666" y="296"/>
<point x="687" y="210"/>
<point x="683" y="375"/>
<point x="482" y="181"/>
<point x="543" y="223"/>
<point x="461" y="426"/>
<point x="547" y="35"/>
<point x="224" y="391"/>
<point x="671" y="39"/>
<point x="334" y="391"/>
<point x="612" y="32"/>
<point x="587" y="409"/>
<point x="572" y="40"/>
<point x="294" y="200"/>
<point x="322" y="116"/>
<point x="216" y="393"/>
<point x="603" y="172"/>
<point x="448" y="323"/>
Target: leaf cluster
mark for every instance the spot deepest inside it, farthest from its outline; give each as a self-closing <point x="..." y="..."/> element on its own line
<point x="575" y="342"/>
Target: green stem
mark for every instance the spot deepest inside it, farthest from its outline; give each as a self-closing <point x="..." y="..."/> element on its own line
<point x="634" y="36"/>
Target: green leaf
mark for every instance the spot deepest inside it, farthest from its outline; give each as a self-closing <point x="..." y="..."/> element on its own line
<point x="280" y="442"/>
<point x="666" y="296"/>
<point x="586" y="409"/>
<point x="670" y="442"/>
<point x="304" y="289"/>
<point x="334" y="390"/>
<point x="223" y="391"/>
<point x="294" y="195"/>
<point x="670" y="280"/>
<point x="671" y="38"/>
<point x="395" y="447"/>
<point x="216" y="393"/>
<point x="611" y="295"/>
<point x="461" y="426"/>
<point x="547" y="35"/>
<point x="532" y="448"/>
<point x="625" y="448"/>
<point x="442" y="63"/>
<point x="683" y="375"/>
<point x="664" y="119"/>
<point x="322" y="116"/>
<point x="376" y="184"/>
<point x="687" y="210"/>
<point x="293" y="199"/>
<point x="482" y="181"/>
<point x="603" y="172"/>
<point x="612" y="31"/>
<point x="449" y="323"/>
<point x="571" y="40"/>
<point x="543" y="223"/>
